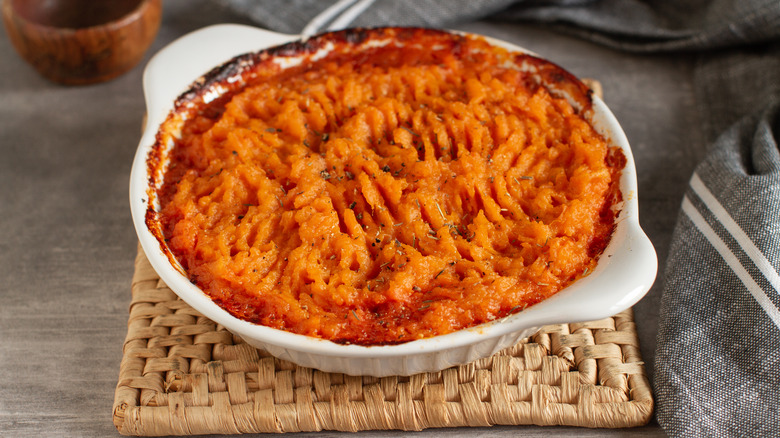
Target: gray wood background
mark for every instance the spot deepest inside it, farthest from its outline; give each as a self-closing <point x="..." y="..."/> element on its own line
<point x="67" y="243"/>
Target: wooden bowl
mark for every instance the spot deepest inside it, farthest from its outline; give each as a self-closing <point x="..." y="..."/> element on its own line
<point x="77" y="42"/>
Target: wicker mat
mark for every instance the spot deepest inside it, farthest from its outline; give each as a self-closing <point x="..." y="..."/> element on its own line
<point x="182" y="374"/>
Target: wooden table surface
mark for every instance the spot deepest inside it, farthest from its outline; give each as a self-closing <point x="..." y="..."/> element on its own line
<point x="67" y="243"/>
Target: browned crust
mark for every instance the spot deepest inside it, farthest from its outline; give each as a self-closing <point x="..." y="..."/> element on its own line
<point x="251" y="67"/>
<point x="345" y="40"/>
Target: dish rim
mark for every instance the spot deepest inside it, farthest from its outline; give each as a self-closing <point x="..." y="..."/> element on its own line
<point x="161" y="89"/>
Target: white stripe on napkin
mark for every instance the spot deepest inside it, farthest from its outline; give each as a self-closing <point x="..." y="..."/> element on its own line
<point x="729" y="257"/>
<point x="752" y="251"/>
<point x="323" y="17"/>
<point x="350" y="14"/>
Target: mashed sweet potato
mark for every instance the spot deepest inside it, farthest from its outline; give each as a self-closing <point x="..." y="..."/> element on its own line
<point x="390" y="195"/>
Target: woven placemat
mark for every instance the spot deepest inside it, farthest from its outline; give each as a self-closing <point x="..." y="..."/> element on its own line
<point x="182" y="374"/>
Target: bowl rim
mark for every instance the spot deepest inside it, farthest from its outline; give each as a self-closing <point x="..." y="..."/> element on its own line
<point x="629" y="256"/>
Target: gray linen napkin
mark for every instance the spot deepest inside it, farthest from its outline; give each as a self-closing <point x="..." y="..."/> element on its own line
<point x="718" y="354"/>
<point x="293" y="16"/>
<point x="720" y="304"/>
<point x="718" y="350"/>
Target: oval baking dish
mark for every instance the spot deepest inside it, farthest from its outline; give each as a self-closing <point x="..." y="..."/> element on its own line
<point x="172" y="81"/>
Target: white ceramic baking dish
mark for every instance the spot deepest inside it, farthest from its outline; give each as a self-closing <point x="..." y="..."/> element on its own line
<point x="624" y="274"/>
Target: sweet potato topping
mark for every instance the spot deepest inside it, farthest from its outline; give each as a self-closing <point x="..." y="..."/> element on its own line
<point x="392" y="194"/>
